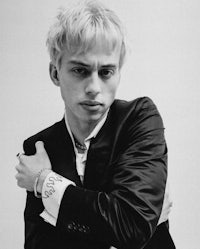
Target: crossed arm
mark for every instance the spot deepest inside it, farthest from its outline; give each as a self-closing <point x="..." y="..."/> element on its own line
<point x="128" y="213"/>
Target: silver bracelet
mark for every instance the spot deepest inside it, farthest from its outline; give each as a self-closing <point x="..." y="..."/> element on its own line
<point x="36" y="182"/>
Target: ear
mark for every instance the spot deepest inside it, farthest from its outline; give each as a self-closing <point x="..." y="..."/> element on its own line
<point x="53" y="72"/>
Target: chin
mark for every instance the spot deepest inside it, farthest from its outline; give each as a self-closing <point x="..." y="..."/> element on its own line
<point x="93" y="118"/>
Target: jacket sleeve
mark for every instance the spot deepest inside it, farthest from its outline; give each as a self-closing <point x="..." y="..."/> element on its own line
<point x="126" y="215"/>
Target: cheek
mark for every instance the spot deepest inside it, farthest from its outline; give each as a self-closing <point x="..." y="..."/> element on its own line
<point x="112" y="88"/>
<point x="66" y="93"/>
<point x="110" y="92"/>
<point x="70" y="93"/>
<point x="66" y="89"/>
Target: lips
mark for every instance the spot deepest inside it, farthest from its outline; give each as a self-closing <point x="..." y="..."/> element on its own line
<point x="90" y="102"/>
<point x="91" y="105"/>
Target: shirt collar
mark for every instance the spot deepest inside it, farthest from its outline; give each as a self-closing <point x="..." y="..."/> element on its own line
<point x="97" y="128"/>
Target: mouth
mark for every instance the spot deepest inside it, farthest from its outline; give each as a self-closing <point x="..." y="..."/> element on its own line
<point x="91" y="105"/>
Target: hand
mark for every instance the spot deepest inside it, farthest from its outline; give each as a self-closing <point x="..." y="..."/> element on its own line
<point x="29" y="166"/>
<point x="166" y="208"/>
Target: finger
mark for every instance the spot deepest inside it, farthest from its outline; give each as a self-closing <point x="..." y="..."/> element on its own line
<point x="17" y="176"/>
<point x="19" y="155"/>
<point x="18" y="167"/>
<point x="19" y="181"/>
<point x="39" y="145"/>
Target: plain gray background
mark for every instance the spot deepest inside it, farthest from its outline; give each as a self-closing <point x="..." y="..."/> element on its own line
<point x="163" y="63"/>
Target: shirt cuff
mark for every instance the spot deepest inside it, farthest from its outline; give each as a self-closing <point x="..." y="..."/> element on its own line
<point x="48" y="218"/>
<point x="166" y="208"/>
<point x="52" y="192"/>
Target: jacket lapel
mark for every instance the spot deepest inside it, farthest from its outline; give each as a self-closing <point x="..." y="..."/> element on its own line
<point x="99" y="156"/>
<point x="61" y="153"/>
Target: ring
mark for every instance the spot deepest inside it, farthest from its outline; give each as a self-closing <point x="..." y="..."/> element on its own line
<point x="19" y="154"/>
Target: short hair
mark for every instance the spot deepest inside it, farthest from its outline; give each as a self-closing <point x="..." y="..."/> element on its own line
<point x="79" y="28"/>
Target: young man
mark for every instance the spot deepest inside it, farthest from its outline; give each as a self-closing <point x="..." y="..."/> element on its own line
<point x="97" y="178"/>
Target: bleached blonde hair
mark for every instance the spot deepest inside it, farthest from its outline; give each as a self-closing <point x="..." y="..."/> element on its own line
<point x="79" y="27"/>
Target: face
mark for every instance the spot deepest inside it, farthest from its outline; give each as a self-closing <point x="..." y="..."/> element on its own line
<point x="88" y="83"/>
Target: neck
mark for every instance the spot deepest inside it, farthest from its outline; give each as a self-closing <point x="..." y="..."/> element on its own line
<point x="81" y="130"/>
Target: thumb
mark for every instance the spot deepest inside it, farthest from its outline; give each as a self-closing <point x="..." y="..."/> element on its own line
<point x="39" y="145"/>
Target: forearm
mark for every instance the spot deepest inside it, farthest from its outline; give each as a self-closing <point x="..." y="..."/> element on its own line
<point x="116" y="218"/>
<point x="125" y="208"/>
<point x="41" y="178"/>
<point x="53" y="189"/>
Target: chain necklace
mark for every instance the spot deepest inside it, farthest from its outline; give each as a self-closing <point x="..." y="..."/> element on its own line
<point x="80" y="146"/>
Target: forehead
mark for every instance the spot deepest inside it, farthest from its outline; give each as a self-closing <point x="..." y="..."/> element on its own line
<point x="98" y="55"/>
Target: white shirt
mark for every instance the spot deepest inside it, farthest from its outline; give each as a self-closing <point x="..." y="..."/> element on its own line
<point x="55" y="185"/>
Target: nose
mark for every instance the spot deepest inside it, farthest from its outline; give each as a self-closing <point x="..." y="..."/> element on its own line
<point x="93" y="85"/>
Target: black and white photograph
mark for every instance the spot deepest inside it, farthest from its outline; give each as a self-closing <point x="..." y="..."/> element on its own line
<point x="100" y="112"/>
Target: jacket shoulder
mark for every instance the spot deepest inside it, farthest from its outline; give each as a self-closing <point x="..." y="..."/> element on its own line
<point x="44" y="135"/>
<point x="124" y="109"/>
<point x="142" y="102"/>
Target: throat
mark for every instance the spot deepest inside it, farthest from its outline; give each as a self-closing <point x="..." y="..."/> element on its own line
<point x="80" y="147"/>
<point x="80" y="128"/>
<point x="81" y="131"/>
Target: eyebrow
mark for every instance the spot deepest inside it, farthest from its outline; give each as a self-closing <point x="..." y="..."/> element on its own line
<point x="79" y="63"/>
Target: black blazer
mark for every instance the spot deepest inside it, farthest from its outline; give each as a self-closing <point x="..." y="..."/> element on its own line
<point x="120" y="200"/>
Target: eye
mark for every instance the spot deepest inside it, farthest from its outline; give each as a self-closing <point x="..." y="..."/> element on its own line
<point x="80" y="71"/>
<point x="106" y="73"/>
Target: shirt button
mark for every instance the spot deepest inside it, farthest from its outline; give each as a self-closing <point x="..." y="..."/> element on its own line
<point x="81" y="229"/>
<point x="70" y="226"/>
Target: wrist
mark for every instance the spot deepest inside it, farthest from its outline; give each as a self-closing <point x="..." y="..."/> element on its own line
<point x="39" y="181"/>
